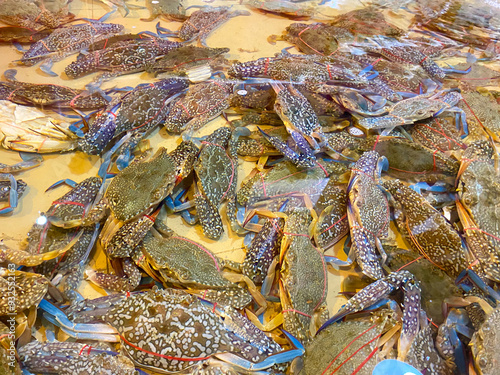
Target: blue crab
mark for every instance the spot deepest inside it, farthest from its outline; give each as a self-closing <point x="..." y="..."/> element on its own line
<point x="317" y="73"/>
<point x="68" y="40"/>
<point x="70" y="210"/>
<point x="192" y="335"/>
<point x="426" y="229"/>
<point x="141" y="110"/>
<point x="410" y="110"/>
<point x="28" y="289"/>
<point x="377" y="291"/>
<point x="144" y="183"/>
<point x="73" y="358"/>
<point x="181" y="261"/>
<point x="121" y="58"/>
<point x="216" y="177"/>
<point x="368" y="212"/>
<point x="202" y="102"/>
<point x="33" y="15"/>
<point x="302" y="124"/>
<point x="48" y="95"/>
<point x="202" y="22"/>
<point x="303" y="282"/>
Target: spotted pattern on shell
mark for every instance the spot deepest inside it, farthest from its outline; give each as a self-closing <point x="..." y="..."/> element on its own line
<point x="303" y="274"/>
<point x="263" y="250"/>
<point x="430" y="232"/>
<point x="202" y="22"/>
<point x="69" y="210"/>
<point x="66" y="358"/>
<point x="203" y="102"/>
<point x="483" y="343"/>
<point x="127" y="282"/>
<point x="168" y="330"/>
<point x="68" y="40"/>
<point x="121" y="58"/>
<point x="368" y="213"/>
<point x="141" y="185"/>
<point x="424" y="357"/>
<point x="185" y="262"/>
<point x="30" y="288"/>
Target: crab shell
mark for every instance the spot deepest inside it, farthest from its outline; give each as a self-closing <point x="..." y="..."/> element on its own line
<point x="141" y="185"/>
<point x="484" y="343"/>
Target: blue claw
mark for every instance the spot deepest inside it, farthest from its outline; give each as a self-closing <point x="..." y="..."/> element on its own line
<point x="406" y="95"/>
<point x="473" y="277"/>
<point x="336" y="262"/>
<point x="394" y="367"/>
<point x="102" y="19"/>
<point x="150" y="33"/>
<point x="47" y="68"/>
<point x="419" y="186"/>
<point x="79" y="330"/>
<point x="66" y="181"/>
<point x="164" y="31"/>
<point x="19" y="47"/>
<point x="10" y="74"/>
<point x="457" y="71"/>
<point x="77" y="129"/>
<point x="248" y="239"/>
<point x="12" y="194"/>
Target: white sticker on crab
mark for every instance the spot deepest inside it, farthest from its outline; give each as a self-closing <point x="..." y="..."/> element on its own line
<point x="242" y="92"/>
<point x="355" y="132"/>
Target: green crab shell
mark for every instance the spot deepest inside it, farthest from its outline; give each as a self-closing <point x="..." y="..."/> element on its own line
<point x="141" y="185"/>
<point x="185" y="260"/>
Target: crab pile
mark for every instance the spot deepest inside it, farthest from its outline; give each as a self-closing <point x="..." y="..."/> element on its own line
<point x="364" y="155"/>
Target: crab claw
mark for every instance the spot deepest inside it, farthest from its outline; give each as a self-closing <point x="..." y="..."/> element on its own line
<point x="273" y="359"/>
<point x="97" y="331"/>
<point x="66" y="181"/>
<point x="304" y="160"/>
<point x="163" y="32"/>
<point x="10" y="74"/>
<point x="394" y="367"/>
<point x="12" y="193"/>
<point x="451" y="69"/>
<point x="47" y="68"/>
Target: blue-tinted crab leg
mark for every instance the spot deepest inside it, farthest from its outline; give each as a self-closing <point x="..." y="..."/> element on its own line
<point x="101" y="19"/>
<point x="98" y="331"/>
<point x="46" y="67"/>
<point x="451" y="69"/>
<point x="300" y="160"/>
<point x="12" y="194"/>
<point x="66" y="181"/>
<point x="419" y="186"/>
<point x="478" y="282"/>
<point x="162" y="31"/>
<point x="19" y="47"/>
<point x="394" y="367"/>
<point x="282" y="357"/>
<point x="29" y="161"/>
<point x="10" y="74"/>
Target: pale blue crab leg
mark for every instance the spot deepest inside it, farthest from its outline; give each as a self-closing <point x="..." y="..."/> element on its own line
<point x="19" y="47"/>
<point x="394" y="367"/>
<point x="97" y="331"/>
<point x="66" y="181"/>
<point x="12" y="193"/>
<point x="46" y="67"/>
<point x="10" y="74"/>
<point x="102" y="18"/>
<point x="273" y="359"/>
<point x="451" y="69"/>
